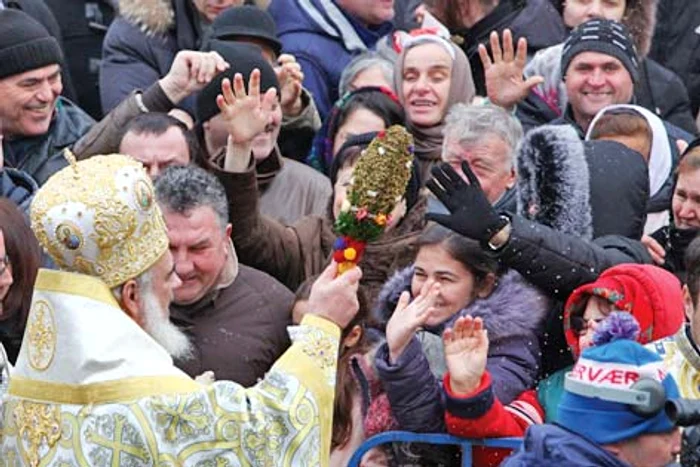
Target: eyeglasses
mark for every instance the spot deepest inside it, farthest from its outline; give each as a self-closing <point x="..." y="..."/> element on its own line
<point x="579" y="324"/>
<point x="4" y="264"/>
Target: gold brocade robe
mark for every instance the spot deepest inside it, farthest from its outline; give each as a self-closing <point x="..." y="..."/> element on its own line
<point x="91" y="388"/>
<point x="682" y="361"/>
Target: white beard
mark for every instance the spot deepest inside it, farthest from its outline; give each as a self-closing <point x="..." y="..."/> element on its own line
<point x="173" y="340"/>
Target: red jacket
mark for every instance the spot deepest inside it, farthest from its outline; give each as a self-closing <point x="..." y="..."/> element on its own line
<point x="481" y="415"/>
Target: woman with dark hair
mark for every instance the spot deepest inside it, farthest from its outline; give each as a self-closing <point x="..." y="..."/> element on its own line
<point x="19" y="262"/>
<point x="453" y="277"/>
<point x="363" y="110"/>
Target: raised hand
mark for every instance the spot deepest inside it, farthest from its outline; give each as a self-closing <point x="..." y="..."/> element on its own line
<point x="335" y="297"/>
<point x="410" y="317"/>
<point x="190" y="72"/>
<point x="505" y="85"/>
<point x="290" y="77"/>
<point x="466" y="349"/>
<point x="245" y="114"/>
<point x="471" y="214"/>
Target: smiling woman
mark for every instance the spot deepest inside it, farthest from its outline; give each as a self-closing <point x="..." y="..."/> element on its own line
<point x="431" y="75"/>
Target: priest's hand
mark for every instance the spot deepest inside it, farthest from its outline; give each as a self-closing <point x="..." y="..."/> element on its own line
<point x="190" y="72"/>
<point x="505" y="85"/>
<point x="408" y="318"/>
<point x="471" y="213"/>
<point x="466" y="349"/>
<point x="335" y="297"/>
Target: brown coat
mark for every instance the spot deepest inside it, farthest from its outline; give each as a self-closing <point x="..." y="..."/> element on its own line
<point x="239" y="332"/>
<point x="300" y="251"/>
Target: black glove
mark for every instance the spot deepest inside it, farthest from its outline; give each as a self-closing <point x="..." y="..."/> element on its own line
<point x="471" y="214"/>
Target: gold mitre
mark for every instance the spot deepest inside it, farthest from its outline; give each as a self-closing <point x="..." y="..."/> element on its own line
<point x="100" y="217"/>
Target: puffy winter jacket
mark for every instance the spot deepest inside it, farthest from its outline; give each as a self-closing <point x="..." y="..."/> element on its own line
<point x="554" y="446"/>
<point x="513" y="314"/>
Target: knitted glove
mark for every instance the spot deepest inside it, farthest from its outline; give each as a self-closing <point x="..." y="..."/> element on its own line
<point x="471" y="214"/>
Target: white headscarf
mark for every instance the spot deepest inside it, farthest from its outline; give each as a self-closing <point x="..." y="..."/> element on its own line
<point x="660" y="155"/>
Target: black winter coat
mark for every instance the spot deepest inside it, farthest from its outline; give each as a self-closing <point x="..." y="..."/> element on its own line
<point x="565" y="190"/>
<point x="676" y="43"/>
<point x="140" y="47"/>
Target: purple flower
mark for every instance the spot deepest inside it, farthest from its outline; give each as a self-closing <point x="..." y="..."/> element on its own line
<point x="618" y="325"/>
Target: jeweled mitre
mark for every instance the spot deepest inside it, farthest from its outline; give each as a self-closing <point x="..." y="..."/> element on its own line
<point x="99" y="217"/>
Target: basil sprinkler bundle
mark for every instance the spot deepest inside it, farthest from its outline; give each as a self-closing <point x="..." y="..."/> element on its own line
<point x="378" y="183"/>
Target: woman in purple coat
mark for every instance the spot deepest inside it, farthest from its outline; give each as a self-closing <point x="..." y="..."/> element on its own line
<point x="453" y="277"/>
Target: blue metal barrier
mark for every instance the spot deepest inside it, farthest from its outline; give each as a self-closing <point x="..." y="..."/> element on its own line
<point x="432" y="438"/>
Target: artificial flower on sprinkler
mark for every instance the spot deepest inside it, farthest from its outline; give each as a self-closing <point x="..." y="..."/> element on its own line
<point x="378" y="183"/>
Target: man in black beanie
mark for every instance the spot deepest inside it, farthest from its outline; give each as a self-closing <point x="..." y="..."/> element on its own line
<point x="35" y="121"/>
<point x="289" y="189"/>
<point x="600" y="65"/>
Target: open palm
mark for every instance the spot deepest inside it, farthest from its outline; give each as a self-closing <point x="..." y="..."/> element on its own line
<point x="505" y="85"/>
<point x="466" y="349"/>
<point x="245" y="114"/>
<point x="410" y="317"/>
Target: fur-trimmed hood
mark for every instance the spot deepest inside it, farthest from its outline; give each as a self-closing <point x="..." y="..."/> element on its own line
<point x="514" y="307"/>
<point x="640" y="19"/>
<point x="153" y="16"/>
<point x="586" y="189"/>
<point x="553" y="180"/>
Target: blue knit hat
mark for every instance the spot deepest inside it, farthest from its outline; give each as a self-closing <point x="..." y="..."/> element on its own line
<point x="601" y="370"/>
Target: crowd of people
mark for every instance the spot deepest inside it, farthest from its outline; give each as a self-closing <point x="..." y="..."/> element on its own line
<point x="170" y="289"/>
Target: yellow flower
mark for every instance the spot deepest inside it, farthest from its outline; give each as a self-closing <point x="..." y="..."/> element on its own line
<point x="350" y="254"/>
<point x="344" y="267"/>
<point x="380" y="219"/>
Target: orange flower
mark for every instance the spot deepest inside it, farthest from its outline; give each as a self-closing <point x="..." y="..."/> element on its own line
<point x="380" y="219"/>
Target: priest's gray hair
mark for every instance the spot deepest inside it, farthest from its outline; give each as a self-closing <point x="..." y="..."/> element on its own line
<point x="361" y="63"/>
<point x="181" y="189"/>
<point x="469" y="125"/>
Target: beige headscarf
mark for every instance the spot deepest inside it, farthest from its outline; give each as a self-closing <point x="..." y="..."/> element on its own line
<point x="428" y="140"/>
